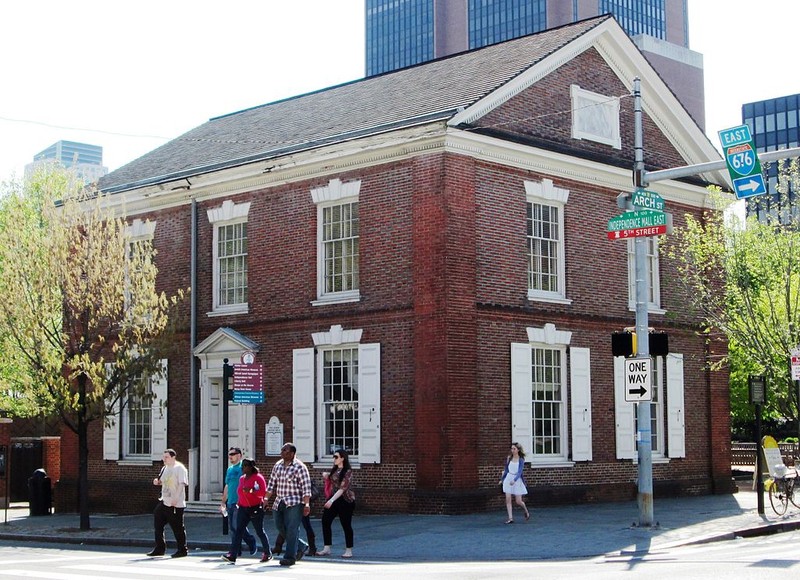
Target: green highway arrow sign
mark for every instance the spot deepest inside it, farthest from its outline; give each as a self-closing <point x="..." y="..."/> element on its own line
<point x="644" y="199"/>
<point x="742" y="161"/>
<point x="630" y="220"/>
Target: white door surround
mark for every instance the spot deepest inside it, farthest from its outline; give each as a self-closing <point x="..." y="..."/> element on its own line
<point x="221" y="344"/>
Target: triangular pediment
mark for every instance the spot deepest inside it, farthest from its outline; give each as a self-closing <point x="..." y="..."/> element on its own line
<point x="626" y="61"/>
<point x="225" y="342"/>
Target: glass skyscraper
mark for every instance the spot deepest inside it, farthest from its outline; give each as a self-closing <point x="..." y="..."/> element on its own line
<point x="85" y="160"/>
<point x="774" y="124"/>
<point x="401" y="33"/>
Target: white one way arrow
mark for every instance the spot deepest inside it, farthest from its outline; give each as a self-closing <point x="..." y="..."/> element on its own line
<point x="751" y="185"/>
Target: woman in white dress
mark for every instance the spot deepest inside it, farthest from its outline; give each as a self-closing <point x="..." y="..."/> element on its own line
<point x="512" y="481"/>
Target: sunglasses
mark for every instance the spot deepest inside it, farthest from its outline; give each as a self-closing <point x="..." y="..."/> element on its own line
<point x="232" y="453"/>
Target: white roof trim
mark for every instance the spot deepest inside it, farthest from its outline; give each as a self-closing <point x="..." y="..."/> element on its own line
<point x="621" y="54"/>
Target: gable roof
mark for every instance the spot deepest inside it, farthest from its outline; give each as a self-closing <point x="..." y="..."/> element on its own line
<point x="444" y="89"/>
<point x="432" y="90"/>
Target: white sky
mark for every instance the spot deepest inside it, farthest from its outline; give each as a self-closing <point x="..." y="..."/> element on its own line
<point x="129" y="76"/>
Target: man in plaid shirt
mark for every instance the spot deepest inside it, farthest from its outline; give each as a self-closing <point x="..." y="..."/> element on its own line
<point x="290" y="485"/>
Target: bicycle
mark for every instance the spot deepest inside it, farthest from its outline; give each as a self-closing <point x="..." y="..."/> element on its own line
<point x="781" y="492"/>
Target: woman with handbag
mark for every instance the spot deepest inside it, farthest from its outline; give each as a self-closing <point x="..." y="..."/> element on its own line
<point x="341" y="502"/>
<point x="251" y="492"/>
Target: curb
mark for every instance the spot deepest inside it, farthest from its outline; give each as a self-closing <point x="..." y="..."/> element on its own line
<point x="94" y="541"/>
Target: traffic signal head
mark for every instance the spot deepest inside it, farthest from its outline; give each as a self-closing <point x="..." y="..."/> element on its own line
<point x="659" y="344"/>
<point x="623" y="343"/>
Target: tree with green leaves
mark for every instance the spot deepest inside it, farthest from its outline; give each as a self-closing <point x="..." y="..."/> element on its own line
<point x="743" y="279"/>
<point x="81" y="320"/>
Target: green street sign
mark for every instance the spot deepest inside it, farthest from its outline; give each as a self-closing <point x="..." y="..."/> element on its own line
<point x="644" y="199"/>
<point x="631" y="220"/>
<point x="744" y="166"/>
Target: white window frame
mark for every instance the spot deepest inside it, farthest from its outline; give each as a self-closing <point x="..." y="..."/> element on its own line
<point x="308" y="430"/>
<point x="136" y="404"/>
<point x="115" y="430"/>
<point x="576" y="412"/>
<point x="545" y="193"/>
<point x="333" y="194"/>
<point x="669" y="413"/>
<point x="227" y="214"/>
<point x="653" y="275"/>
<point x="137" y="231"/>
<point x="595" y="117"/>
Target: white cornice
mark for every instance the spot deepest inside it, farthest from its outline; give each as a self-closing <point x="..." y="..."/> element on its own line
<point x="356" y="155"/>
<point x="562" y="166"/>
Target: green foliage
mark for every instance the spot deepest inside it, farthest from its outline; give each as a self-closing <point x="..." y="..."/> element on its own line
<point x="80" y="317"/>
<point x="743" y="278"/>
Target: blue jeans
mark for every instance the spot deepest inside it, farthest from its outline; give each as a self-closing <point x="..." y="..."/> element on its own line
<point x="248" y="538"/>
<point x="244" y="516"/>
<point x="287" y="521"/>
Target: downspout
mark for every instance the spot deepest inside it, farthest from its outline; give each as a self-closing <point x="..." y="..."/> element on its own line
<point x="193" y="342"/>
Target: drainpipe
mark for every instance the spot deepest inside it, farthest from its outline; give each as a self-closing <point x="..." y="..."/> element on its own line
<point x="193" y="339"/>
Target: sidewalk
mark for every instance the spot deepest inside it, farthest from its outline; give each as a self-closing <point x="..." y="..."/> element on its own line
<point x="556" y="532"/>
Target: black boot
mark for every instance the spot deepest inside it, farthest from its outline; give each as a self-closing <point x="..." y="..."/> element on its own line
<point x="312" y="544"/>
<point x="278" y="549"/>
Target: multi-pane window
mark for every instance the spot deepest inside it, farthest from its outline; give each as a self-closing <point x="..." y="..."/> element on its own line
<point x="638" y="16"/>
<point x="139" y="422"/>
<point x="138" y="262"/>
<point x="547" y="394"/>
<point x="340" y="247"/>
<point x="545" y="253"/>
<point x="491" y="22"/>
<point x="544" y="242"/>
<point x="656" y="408"/>
<point x="232" y="264"/>
<point x="229" y="222"/>
<point x="340" y="400"/>
<point x="653" y="279"/>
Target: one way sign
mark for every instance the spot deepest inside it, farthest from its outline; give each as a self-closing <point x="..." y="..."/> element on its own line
<point x="637" y="380"/>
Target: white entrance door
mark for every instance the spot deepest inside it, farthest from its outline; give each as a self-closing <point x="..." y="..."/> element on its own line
<point x="241" y="433"/>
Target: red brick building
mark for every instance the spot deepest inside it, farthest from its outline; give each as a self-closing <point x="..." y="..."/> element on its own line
<point x="419" y="261"/>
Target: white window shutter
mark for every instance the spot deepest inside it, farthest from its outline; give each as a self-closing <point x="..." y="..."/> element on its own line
<point x="623" y="413"/>
<point x="676" y="425"/>
<point x="521" y="395"/>
<point x="158" y="437"/>
<point x="581" y="403"/>
<point x="111" y="433"/>
<point x="369" y="403"/>
<point x="303" y="399"/>
<point x="111" y="427"/>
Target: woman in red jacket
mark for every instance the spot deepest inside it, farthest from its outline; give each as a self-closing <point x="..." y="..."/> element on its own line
<point x="251" y="491"/>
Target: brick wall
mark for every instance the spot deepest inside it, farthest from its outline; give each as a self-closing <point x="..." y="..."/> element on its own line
<point x="444" y="291"/>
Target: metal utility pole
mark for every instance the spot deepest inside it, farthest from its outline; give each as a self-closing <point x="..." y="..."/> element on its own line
<point x="227" y="373"/>
<point x="644" y="496"/>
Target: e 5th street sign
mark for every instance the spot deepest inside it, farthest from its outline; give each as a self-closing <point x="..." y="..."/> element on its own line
<point x="742" y="161"/>
<point x="634" y="224"/>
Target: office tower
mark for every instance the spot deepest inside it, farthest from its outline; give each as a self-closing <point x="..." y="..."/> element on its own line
<point x="84" y="159"/>
<point x="774" y="125"/>
<point x="401" y="33"/>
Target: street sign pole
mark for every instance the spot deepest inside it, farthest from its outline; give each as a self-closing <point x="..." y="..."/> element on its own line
<point x="644" y="496"/>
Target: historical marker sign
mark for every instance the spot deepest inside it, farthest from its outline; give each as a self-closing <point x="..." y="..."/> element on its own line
<point x="742" y="161"/>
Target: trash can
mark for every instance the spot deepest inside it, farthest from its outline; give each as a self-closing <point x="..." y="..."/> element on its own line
<point x="41" y="495"/>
